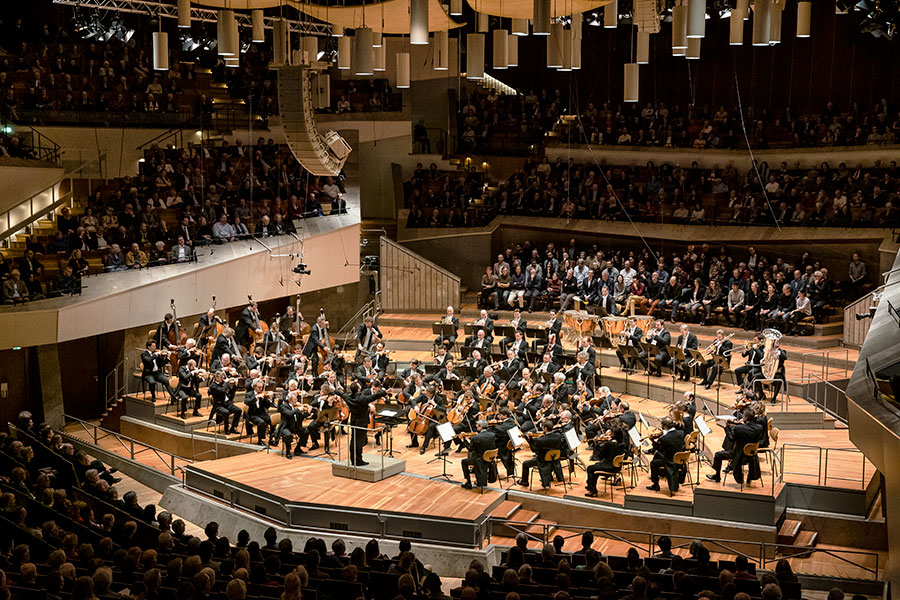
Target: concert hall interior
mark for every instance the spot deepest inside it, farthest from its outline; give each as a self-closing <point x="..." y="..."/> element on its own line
<point x="470" y="299"/>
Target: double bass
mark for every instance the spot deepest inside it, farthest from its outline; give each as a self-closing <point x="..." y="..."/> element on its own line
<point x="259" y="324"/>
<point x="177" y="336"/>
<point x="211" y="332"/>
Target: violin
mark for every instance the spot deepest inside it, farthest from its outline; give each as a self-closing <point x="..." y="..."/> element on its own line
<point x="606" y="436"/>
<point x="337" y="410"/>
<point x="654" y="434"/>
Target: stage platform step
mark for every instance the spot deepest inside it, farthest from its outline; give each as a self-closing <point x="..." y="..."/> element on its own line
<point x="788" y="531"/>
<point x="505" y="510"/>
<point x="804" y="539"/>
<point x="375" y="471"/>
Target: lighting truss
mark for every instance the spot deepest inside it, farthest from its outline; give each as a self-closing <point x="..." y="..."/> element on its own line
<point x="204" y="15"/>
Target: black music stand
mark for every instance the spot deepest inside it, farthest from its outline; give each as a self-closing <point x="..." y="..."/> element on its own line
<point x="444" y="331"/>
<point x="724" y="363"/>
<point x="445" y="434"/>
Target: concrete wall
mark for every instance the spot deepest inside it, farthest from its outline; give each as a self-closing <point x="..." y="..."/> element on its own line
<point x="21" y="183"/>
<point x="465" y="255"/>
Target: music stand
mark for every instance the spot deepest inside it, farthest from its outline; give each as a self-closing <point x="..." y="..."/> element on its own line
<point x="446" y="433"/>
<point x="723" y="362"/>
<point x="444" y="331"/>
<point x="388" y="417"/>
<point x="454" y="385"/>
<point x="697" y="355"/>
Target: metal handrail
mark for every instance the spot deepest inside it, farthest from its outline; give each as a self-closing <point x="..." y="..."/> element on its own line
<point x="822" y="475"/>
<point x="826" y="367"/>
<point x="824" y="405"/>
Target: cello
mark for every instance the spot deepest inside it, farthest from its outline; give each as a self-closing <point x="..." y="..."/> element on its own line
<point x="176" y="336"/>
<point x="259" y="324"/>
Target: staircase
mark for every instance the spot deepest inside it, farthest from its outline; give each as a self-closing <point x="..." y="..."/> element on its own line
<point x="793" y="539"/>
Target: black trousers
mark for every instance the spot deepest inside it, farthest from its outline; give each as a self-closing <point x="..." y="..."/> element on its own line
<point x="358" y="440"/>
<point x="262" y="424"/>
<point x="314" y="429"/>
<point x="151" y="379"/>
<point x="748" y="371"/>
<point x="222" y="412"/>
<point x="184" y="395"/>
<point x="545" y="469"/>
<point x="302" y="436"/>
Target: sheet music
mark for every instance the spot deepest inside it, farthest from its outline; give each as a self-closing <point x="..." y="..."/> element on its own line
<point x="635" y="436"/>
<point x="387" y="412"/>
<point x="445" y="430"/>
<point x="643" y="420"/>
<point x="572" y="439"/>
<point x="515" y="434"/>
<point x="701" y="425"/>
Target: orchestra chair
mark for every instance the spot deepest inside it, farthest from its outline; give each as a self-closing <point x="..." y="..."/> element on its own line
<point x="618" y="461"/>
<point x="750" y="451"/>
<point x="681" y="459"/>
<point x="552" y="457"/>
<point x="692" y="445"/>
<point x="774" y="432"/>
<point x="489" y="457"/>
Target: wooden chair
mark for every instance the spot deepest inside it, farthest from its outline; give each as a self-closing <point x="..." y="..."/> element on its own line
<point x="606" y="475"/>
<point x="491" y="458"/>
<point x="750" y="450"/>
<point x="774" y="432"/>
<point x="681" y="459"/>
<point x="552" y="457"/>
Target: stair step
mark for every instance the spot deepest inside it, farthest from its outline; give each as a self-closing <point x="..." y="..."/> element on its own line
<point x="805" y="539"/>
<point x="538" y="527"/>
<point x="788" y="531"/>
<point x="524" y="516"/>
<point x="505" y="509"/>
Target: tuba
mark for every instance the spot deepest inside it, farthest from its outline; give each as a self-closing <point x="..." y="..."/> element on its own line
<point x="770" y="354"/>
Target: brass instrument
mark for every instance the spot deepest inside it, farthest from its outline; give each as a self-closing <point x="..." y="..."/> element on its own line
<point x="710" y="350"/>
<point x="770" y="353"/>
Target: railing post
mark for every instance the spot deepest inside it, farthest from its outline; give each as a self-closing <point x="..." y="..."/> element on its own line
<point x="132" y="449"/>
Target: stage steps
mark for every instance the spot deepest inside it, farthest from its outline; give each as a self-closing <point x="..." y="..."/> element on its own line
<point x="529" y="521"/>
<point x="113" y="413"/>
<point x="792" y="538"/>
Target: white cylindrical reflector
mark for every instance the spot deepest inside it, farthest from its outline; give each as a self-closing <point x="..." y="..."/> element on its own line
<point x="344" y="45"/>
<point x="475" y="56"/>
<point x="309" y="46"/>
<point x="611" y="15"/>
<point x="576" y="48"/>
<point x="363" y="54"/>
<point x="761" y="25"/>
<point x="227" y="42"/>
<point x="519" y="27"/>
<point x="402" y="70"/>
<point x="232" y="62"/>
<point x="804" y="18"/>
<point x="501" y="49"/>
<point x="184" y="13"/>
<point x="512" y="50"/>
<point x="377" y="39"/>
<point x="775" y="11"/>
<point x="679" y="27"/>
<point x="380" y="53"/>
<point x="160" y="51"/>
<point x="256" y="26"/>
<point x="540" y="17"/>
<point x="736" y="28"/>
<point x="693" y="49"/>
<point x="566" y="50"/>
<point x="643" y="48"/>
<point x="441" y="57"/>
<point x="418" y="22"/>
<point x="578" y="25"/>
<point x="679" y="51"/>
<point x="554" y="46"/>
<point x="632" y="82"/>
<point x="696" y="18"/>
<point x="456" y="7"/>
<point x="279" y="42"/>
<point x="484" y="22"/>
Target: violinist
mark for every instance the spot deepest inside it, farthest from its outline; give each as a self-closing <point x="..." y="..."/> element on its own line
<point x="257" y="361"/>
<point x="686" y="341"/>
<point x="608" y="401"/>
<point x="664" y="449"/>
<point x="189" y="351"/>
<point x="448" y="319"/>
<point x="501" y="428"/>
<point x="221" y="391"/>
<point x="300" y="377"/>
<point x="660" y="339"/>
<point x="466" y="406"/>
<point x="361" y="404"/>
<point x="518" y="324"/>
<point x="549" y="440"/>
<point x="626" y="415"/>
<point x="437" y="404"/>
<point x="748" y="431"/>
<point x="525" y="380"/>
<point x="290" y="386"/>
<point x="189" y="386"/>
<point x="206" y="327"/>
<point x="441" y="357"/>
<point x="480" y="443"/>
<point x="487" y="385"/>
<point x="327" y="398"/>
<point x="632" y="337"/>
<point x="164" y="329"/>
<point x="484" y="324"/>
<point x="318" y="338"/>
<point x="710" y="369"/>
<point x="225" y="344"/>
<point x="152" y="370"/>
<point x="752" y="370"/>
<point x="613" y="443"/>
<point x="531" y="403"/>
<point x="559" y="389"/>
<point x="367" y="336"/>
<point x="547" y="366"/>
<point x="248" y="322"/>
<point x="258" y="403"/>
<point x="406" y="374"/>
<point x="546" y="412"/>
<point x="292" y="415"/>
<point x="365" y="373"/>
<point x="480" y="341"/>
<point x="583" y="370"/>
<point x="381" y="359"/>
<point x="761" y="419"/>
<point x="476" y="362"/>
<point x="227" y="366"/>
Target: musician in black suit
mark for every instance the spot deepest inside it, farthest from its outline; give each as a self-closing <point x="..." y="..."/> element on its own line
<point x="632" y="336"/>
<point x="553" y="348"/>
<point x="519" y="345"/>
<point x="410" y="371"/>
<point x="550" y="440"/>
<point x="442" y="356"/>
<point x="583" y="370"/>
<point x="659" y="338"/>
<point x="440" y="410"/>
<point x="361" y="403"/>
<point x="584" y="345"/>
<point x="667" y="445"/>
<point x="188" y="387"/>
<point x="780" y="357"/>
<point x="752" y="369"/>
<point x="518" y="324"/>
<point x="163" y="330"/>
<point x="365" y="372"/>
<point x="546" y="366"/>
<point x="206" y="327"/>
<point x="605" y="452"/>
<point x="686" y="341"/>
<point x="225" y="344"/>
<point x="501" y="431"/>
<point x="380" y="359"/>
<point x="318" y="338"/>
<point x="248" y="322"/>
<point x="480" y="341"/>
<point x="292" y="415"/>
<point x="448" y="319"/>
<point x="479" y="443"/>
<point x="511" y="369"/>
<point x="367" y="335"/>
<point x="626" y="416"/>
<point x="475" y="361"/>
<point x="222" y="391"/>
<point x="553" y="325"/>
<point x="153" y="370"/>
<point x="258" y="405"/>
<point x="606" y="304"/>
<point x="710" y="369"/>
<point x="325" y="400"/>
<point x="746" y="432"/>
<point x="483" y="323"/>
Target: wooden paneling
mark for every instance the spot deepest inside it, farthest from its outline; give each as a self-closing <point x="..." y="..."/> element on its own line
<point x="855" y="330"/>
<point x="411" y="282"/>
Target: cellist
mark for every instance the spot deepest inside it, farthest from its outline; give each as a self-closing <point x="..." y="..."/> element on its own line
<point x="429" y="408"/>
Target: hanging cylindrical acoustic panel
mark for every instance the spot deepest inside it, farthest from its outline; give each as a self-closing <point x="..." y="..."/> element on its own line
<point x="501" y="49"/>
<point x="309" y="45"/>
<point x="475" y="56"/>
<point x="344" y="45"/>
<point x="519" y="27"/>
<point x="632" y="82"/>
<point x="578" y="25"/>
<point x="402" y="70"/>
<point x="380" y="53"/>
<point x="554" y="46"/>
<point x="418" y="22"/>
<point x="566" y="38"/>
<point x="160" y="51"/>
<point x="576" y="50"/>
<point x="696" y="18"/>
<point x="377" y="39"/>
<point x="184" y="13"/>
<point x="258" y="31"/>
<point x="225" y="39"/>
<point x="804" y="18"/>
<point x="512" y="50"/>
<point x="775" y="11"/>
<point x="441" y="55"/>
<point x="456" y="8"/>
<point x="761" y="25"/>
<point x="736" y="28"/>
<point x="236" y="36"/>
<point x="643" y="48"/>
<point x="611" y="15"/>
<point x="484" y="22"/>
<point x="279" y="42"/>
<point x="679" y="28"/>
<point x="743" y="7"/>
<point x="363" y="56"/>
<point x="540" y="17"/>
<point x="693" y="49"/>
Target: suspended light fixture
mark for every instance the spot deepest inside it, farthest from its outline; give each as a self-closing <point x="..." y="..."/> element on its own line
<point x="804" y="19"/>
<point x="679" y="51"/>
<point x="225" y="39"/>
<point x="160" y="51"/>
<point x="775" y="11"/>
<point x="380" y="53"/>
<point x="696" y="18"/>
<point x="184" y="14"/>
<point x="736" y="28"/>
<point x="344" y="45"/>
<point x="519" y="27"/>
<point x="309" y="45"/>
<point x="761" y="26"/>
<point x="484" y="22"/>
<point x="475" y="56"/>
<point x="554" y="46"/>
<point x="456" y="8"/>
<point x="540" y="17"/>
<point x="441" y="56"/>
<point x="501" y="49"/>
<point x="693" y="49"/>
<point x="679" y="28"/>
<point x="577" y="35"/>
<point x="512" y="50"/>
<point x="258" y="32"/>
<point x="377" y="38"/>
<point x="232" y="62"/>
<point x="611" y="15"/>
<point x="402" y="70"/>
<point x="643" y="48"/>
<point x="566" y="39"/>
<point x="418" y="22"/>
<point x="632" y="82"/>
<point x="279" y="42"/>
<point x="363" y="56"/>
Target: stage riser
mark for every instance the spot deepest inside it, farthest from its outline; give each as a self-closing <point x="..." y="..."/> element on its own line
<point x="855" y="532"/>
<point x="711" y="503"/>
<point x="828" y="500"/>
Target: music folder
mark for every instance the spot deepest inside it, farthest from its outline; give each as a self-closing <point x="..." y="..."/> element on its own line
<point x="635" y="436"/>
<point x="572" y="439"/>
<point x="701" y="425"/>
<point x="515" y="434"/>
<point x="445" y="430"/>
